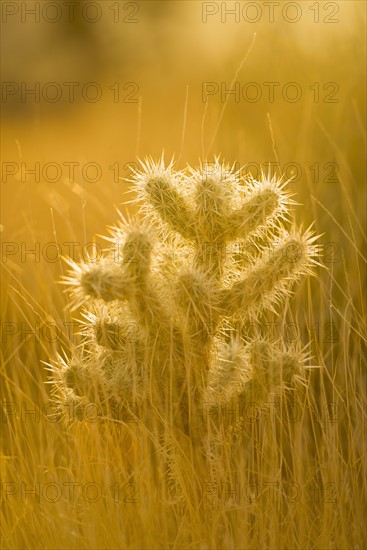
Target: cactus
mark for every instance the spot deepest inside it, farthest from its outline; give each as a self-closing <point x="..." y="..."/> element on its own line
<point x="159" y="331"/>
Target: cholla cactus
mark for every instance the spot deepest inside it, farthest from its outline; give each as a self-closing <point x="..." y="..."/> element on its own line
<point x="211" y="248"/>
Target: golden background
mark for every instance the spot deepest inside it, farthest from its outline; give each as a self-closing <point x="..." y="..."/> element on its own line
<point x="159" y="55"/>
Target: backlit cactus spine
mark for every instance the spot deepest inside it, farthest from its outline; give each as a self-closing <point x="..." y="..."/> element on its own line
<point x="176" y="276"/>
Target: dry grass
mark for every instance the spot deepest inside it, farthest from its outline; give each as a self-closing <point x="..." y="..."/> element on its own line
<point x="288" y="482"/>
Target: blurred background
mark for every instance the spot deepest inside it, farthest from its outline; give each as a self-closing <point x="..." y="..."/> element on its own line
<point x="88" y="88"/>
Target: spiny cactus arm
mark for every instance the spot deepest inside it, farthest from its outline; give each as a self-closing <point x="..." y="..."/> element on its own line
<point x="171" y="206"/>
<point x="110" y="326"/>
<point x="196" y="294"/>
<point x="245" y="375"/>
<point x="273" y="367"/>
<point x="99" y="378"/>
<point x="145" y="302"/>
<point x="158" y="187"/>
<point x="212" y="195"/>
<point x="211" y="214"/>
<point x="220" y="222"/>
<point x="229" y="371"/>
<point x="212" y="209"/>
<point x="77" y="382"/>
<point x="271" y="278"/>
<point x="134" y="243"/>
<point x="76" y="374"/>
<point x="137" y="256"/>
<point x="121" y="278"/>
<point x="266" y="201"/>
<point x="106" y="280"/>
